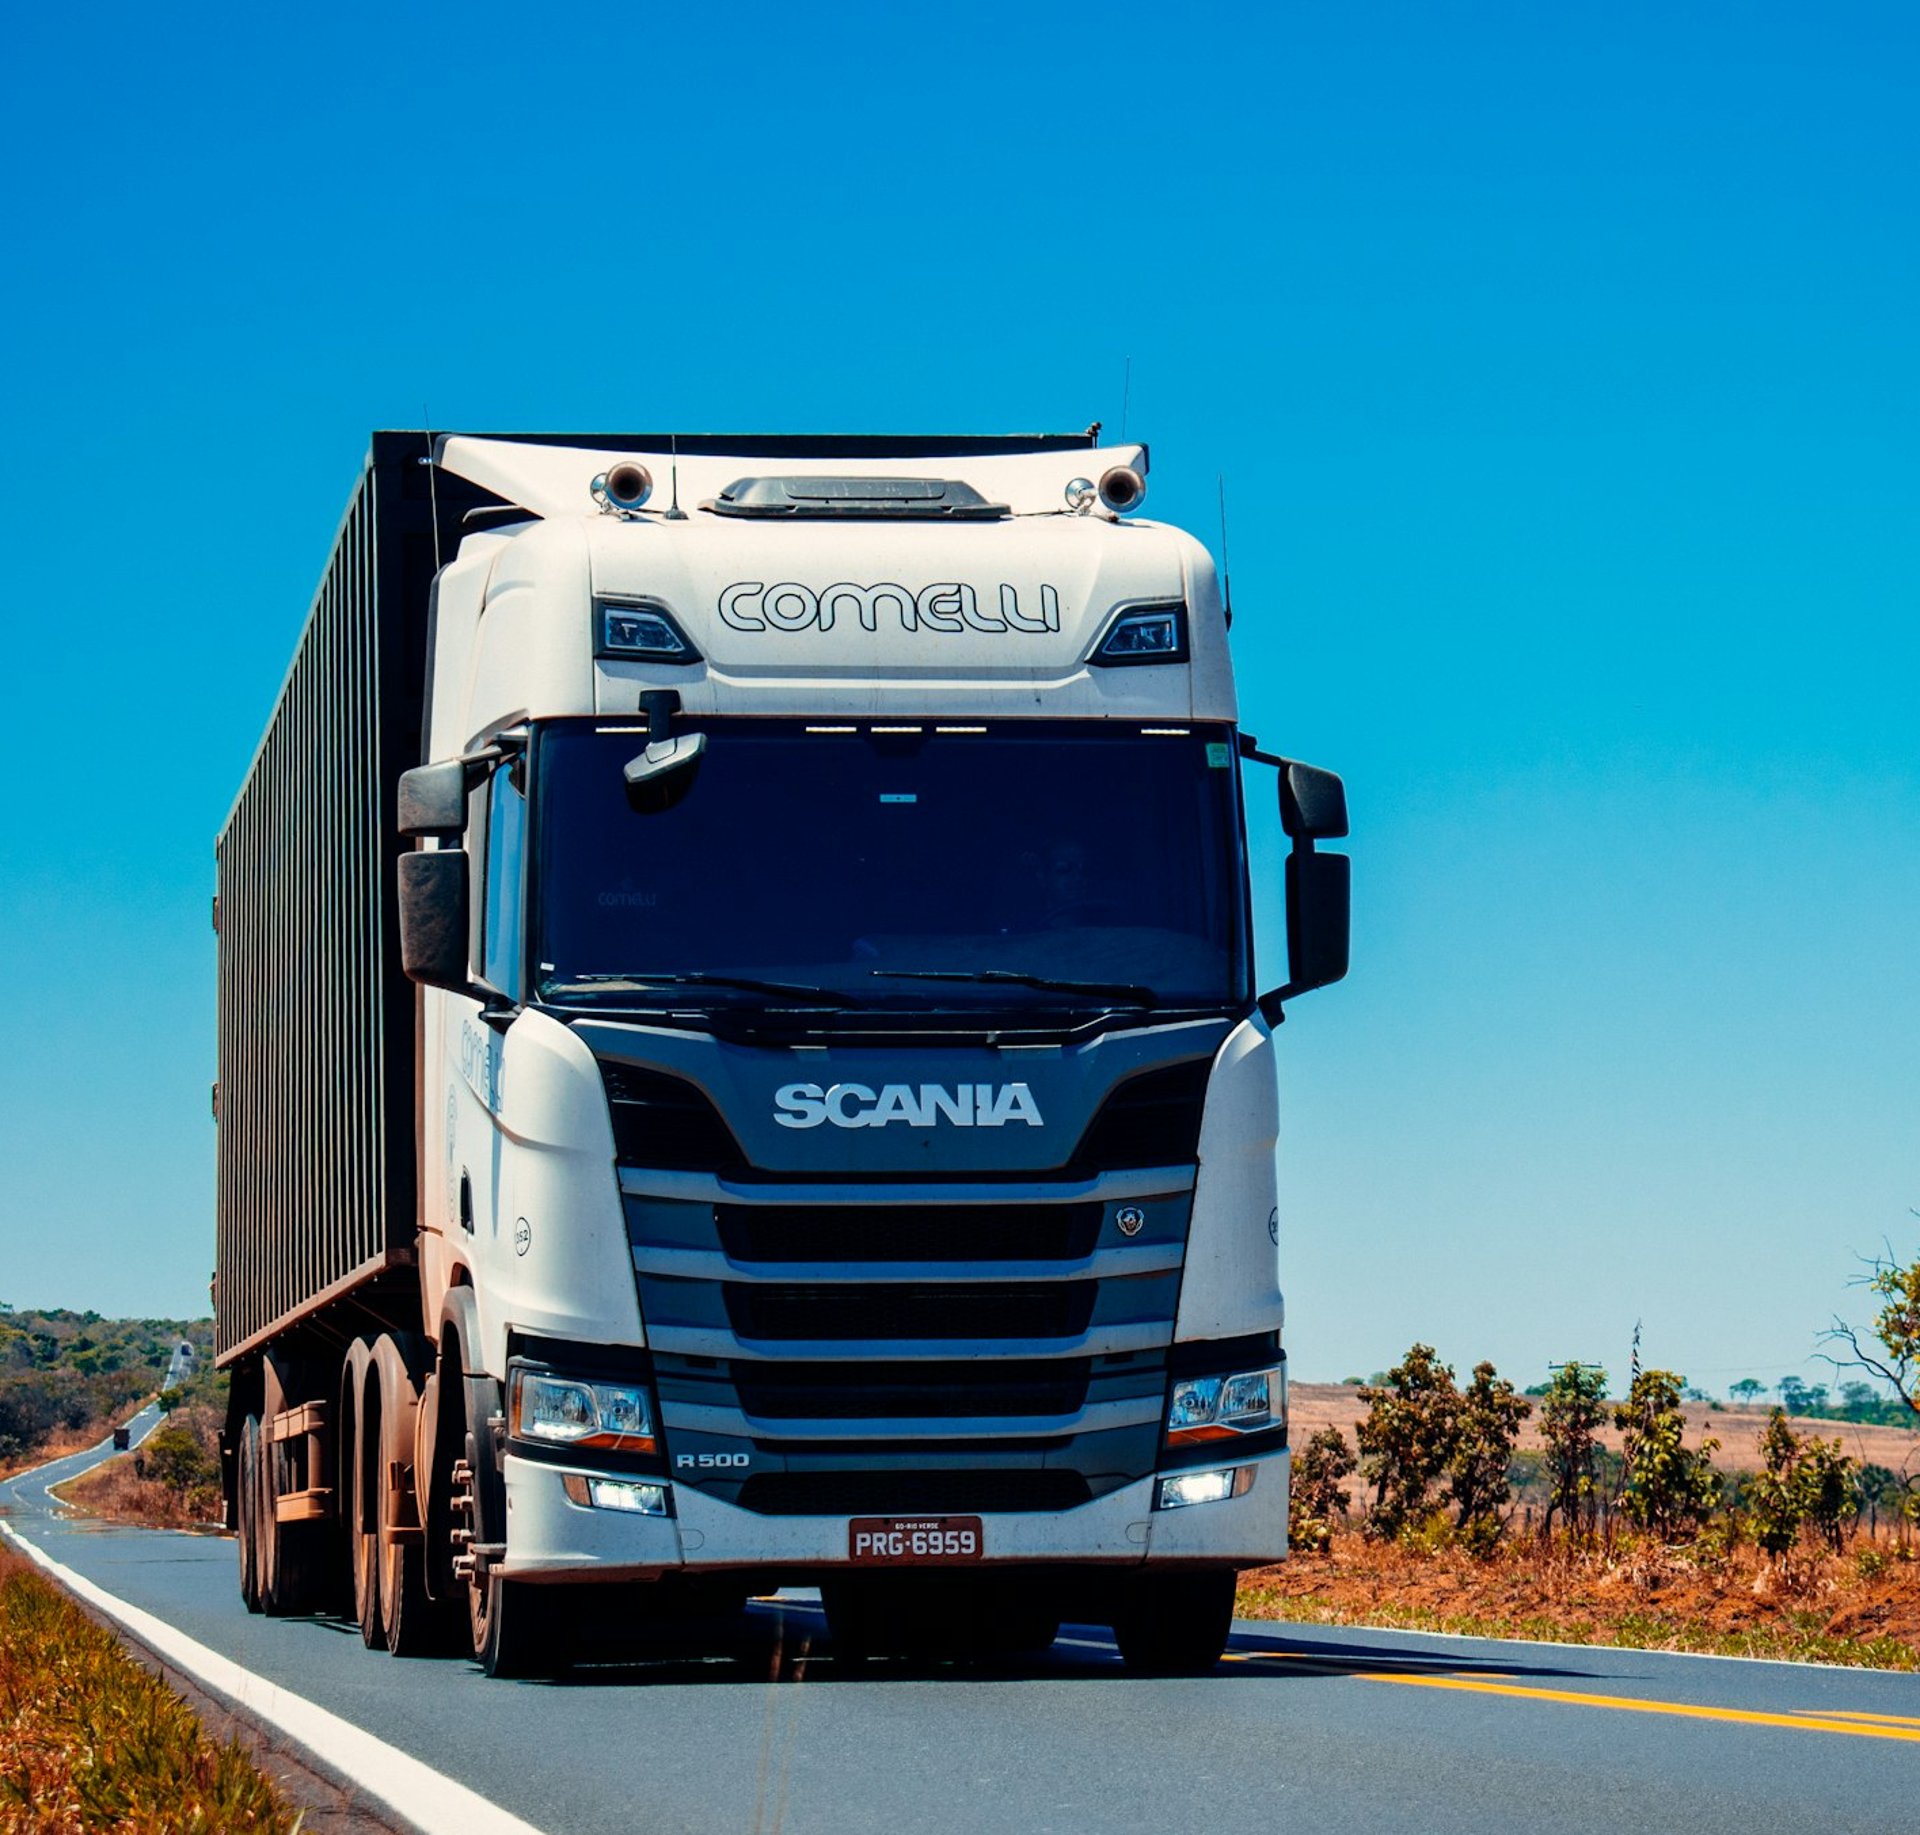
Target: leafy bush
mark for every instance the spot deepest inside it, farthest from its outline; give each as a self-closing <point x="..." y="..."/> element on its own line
<point x="1319" y="1490"/>
<point x="1571" y="1414"/>
<point x="1668" y="1490"/>
<point x="1486" y="1426"/>
<point x="1407" y="1439"/>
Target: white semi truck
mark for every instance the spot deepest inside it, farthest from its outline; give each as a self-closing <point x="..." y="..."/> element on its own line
<point x="741" y="1061"/>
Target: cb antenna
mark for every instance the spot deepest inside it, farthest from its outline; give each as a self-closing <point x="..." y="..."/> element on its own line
<point x="1226" y="569"/>
<point x="674" y="511"/>
<point x="433" y="486"/>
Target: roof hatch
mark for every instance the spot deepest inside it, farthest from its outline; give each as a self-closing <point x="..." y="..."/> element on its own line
<point x="871" y="499"/>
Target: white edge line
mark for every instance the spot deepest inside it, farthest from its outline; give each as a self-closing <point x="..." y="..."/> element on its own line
<point x="435" y="1802"/>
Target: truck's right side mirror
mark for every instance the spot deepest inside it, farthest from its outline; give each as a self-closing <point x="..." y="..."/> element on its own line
<point x="433" y="799"/>
<point x="434" y="918"/>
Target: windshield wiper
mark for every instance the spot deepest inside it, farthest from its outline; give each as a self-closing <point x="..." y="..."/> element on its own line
<point x="1128" y="991"/>
<point x="699" y="978"/>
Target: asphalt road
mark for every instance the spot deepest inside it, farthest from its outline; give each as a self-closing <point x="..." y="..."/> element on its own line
<point x="1301" y="1728"/>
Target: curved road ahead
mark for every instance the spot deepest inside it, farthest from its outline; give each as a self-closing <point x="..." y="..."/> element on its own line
<point x="1335" y="1731"/>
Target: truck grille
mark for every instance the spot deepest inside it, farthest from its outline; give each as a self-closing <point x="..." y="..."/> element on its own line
<point x="1149" y="1120"/>
<point x="911" y="1492"/>
<point x="666" y="1122"/>
<point x="908" y="1232"/>
<point x="968" y="1389"/>
<point x="896" y="1310"/>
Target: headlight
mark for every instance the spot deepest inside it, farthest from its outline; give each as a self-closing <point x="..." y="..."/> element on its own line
<point x="1214" y="1487"/>
<point x="641" y="631"/>
<point x="566" y="1412"/>
<point x="1144" y="634"/>
<point x="616" y="1494"/>
<point x="1214" y="1407"/>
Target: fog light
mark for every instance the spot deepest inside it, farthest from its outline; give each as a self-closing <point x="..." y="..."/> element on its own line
<point x="1213" y="1487"/>
<point x="615" y="1494"/>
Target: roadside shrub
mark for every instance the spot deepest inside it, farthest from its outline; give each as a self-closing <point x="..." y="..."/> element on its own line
<point x="173" y="1457"/>
<point x="1667" y="1489"/>
<point x="1486" y="1425"/>
<point x="1319" y="1491"/>
<point x="1804" y="1480"/>
<point x="1407" y="1439"/>
<point x="1571" y="1413"/>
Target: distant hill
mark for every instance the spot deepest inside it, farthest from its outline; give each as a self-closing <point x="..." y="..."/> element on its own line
<point x="65" y="1372"/>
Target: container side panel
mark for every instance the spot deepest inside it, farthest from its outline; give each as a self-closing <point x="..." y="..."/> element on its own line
<point x="315" y="1159"/>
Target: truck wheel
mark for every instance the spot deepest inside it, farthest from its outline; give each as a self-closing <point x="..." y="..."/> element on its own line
<point x="361" y="1487"/>
<point x="521" y="1631"/>
<point x="247" y="1511"/>
<point x="1176" y="1624"/>
<point x="410" y="1625"/>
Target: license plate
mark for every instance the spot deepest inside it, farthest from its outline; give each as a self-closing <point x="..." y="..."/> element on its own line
<point x="917" y="1541"/>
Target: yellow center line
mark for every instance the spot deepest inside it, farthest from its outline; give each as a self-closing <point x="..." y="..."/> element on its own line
<point x="1895" y="1720"/>
<point x="1805" y="1722"/>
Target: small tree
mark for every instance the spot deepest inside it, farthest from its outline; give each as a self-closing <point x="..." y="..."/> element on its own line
<point x="1747" y="1390"/>
<point x="1776" y="1499"/>
<point x="1665" y="1489"/>
<point x="178" y="1460"/>
<point x="1486" y="1427"/>
<point x="1893" y="1353"/>
<point x="1829" y="1483"/>
<point x="1319" y="1490"/>
<point x="1407" y="1439"/>
<point x="1570" y="1419"/>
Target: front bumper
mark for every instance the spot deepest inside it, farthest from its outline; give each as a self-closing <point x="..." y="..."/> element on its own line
<point x="553" y="1539"/>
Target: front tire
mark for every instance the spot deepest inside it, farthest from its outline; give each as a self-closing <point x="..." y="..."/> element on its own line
<point x="1176" y="1624"/>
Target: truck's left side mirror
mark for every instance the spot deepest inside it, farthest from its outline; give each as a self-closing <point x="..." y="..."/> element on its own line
<point x="434" y="918"/>
<point x="1313" y="802"/>
<point x="1319" y="919"/>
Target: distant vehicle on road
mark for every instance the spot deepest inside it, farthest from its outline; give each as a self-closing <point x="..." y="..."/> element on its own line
<point x="122" y="1439"/>
<point x="800" y="1109"/>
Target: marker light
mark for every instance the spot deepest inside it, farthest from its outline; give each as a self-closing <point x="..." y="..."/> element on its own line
<point x="1218" y="1407"/>
<point x="640" y="632"/>
<point x="616" y="1494"/>
<point x="556" y="1409"/>
<point x="1145" y="634"/>
<point x="1213" y="1487"/>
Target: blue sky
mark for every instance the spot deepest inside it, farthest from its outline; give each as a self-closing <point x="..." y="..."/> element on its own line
<point x="1560" y="364"/>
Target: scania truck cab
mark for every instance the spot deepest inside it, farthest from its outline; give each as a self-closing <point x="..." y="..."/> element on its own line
<point x="844" y="1100"/>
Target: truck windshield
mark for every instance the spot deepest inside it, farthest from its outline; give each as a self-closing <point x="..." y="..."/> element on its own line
<point x="894" y="866"/>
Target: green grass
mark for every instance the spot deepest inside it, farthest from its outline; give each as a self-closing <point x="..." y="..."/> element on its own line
<point x="90" y="1740"/>
<point x="1798" y="1638"/>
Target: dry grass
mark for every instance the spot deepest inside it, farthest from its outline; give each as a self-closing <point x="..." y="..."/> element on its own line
<point x="56" y="1446"/>
<point x="117" y="1492"/>
<point x="1859" y="1607"/>
<point x="121" y="1489"/>
<point x="91" y="1741"/>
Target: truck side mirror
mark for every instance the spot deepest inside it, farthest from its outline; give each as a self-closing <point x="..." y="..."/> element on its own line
<point x="434" y="917"/>
<point x="1319" y="919"/>
<point x="1313" y="807"/>
<point x="433" y="800"/>
<point x="1313" y="803"/>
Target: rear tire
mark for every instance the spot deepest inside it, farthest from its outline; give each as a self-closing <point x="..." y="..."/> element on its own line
<point x="363" y="1500"/>
<point x="247" y="1511"/>
<point x="410" y="1623"/>
<point x="1176" y="1624"/>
